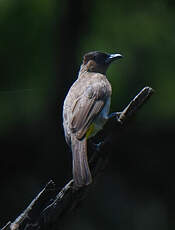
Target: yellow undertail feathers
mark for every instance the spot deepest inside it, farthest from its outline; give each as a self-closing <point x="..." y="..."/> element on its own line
<point x="90" y="131"/>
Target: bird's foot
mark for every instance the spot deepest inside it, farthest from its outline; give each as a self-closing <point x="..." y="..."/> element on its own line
<point x="97" y="146"/>
<point x="116" y="115"/>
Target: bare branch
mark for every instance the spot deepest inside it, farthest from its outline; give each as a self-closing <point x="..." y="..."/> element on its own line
<point x="136" y="103"/>
<point x="49" y="206"/>
<point x="6" y="226"/>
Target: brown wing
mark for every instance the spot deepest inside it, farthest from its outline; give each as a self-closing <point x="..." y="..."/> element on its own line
<point x="86" y="108"/>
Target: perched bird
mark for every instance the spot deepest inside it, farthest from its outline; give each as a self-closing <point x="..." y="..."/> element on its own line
<point x="86" y="109"/>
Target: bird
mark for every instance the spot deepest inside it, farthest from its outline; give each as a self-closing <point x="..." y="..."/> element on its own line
<point x="86" y="110"/>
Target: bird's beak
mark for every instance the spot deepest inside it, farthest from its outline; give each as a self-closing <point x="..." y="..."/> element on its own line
<point x="113" y="57"/>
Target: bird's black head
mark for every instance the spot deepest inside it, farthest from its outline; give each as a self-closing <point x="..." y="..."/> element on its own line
<point x="98" y="62"/>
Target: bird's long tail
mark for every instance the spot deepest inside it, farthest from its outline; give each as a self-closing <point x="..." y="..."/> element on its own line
<point x="81" y="172"/>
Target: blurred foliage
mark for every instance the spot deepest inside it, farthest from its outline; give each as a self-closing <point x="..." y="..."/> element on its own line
<point x="142" y="31"/>
<point x="26" y="59"/>
<point x="41" y="47"/>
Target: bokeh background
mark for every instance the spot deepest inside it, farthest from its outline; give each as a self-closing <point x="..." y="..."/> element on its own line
<point x="41" y="47"/>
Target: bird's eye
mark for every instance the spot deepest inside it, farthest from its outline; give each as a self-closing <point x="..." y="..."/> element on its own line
<point x="96" y="58"/>
<point x="99" y="59"/>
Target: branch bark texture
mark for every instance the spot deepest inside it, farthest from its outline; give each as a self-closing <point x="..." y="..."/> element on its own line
<point x="50" y="205"/>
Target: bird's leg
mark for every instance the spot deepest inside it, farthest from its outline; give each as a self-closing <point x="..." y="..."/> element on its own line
<point x="116" y="115"/>
<point x="97" y="146"/>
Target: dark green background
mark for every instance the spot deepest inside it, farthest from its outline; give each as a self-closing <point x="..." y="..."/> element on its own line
<point x="41" y="47"/>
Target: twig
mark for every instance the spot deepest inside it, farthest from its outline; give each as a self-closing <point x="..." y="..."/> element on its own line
<point x="33" y="208"/>
<point x="6" y="226"/>
<point x="136" y="103"/>
<point x="49" y="206"/>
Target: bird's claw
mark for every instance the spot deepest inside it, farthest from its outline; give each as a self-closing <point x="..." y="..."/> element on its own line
<point x="116" y="115"/>
<point x="97" y="147"/>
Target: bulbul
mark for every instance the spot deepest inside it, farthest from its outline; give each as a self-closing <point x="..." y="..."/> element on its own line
<point x="86" y="109"/>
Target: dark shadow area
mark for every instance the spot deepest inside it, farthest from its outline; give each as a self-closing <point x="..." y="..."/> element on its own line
<point x="42" y="43"/>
